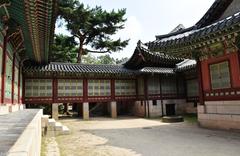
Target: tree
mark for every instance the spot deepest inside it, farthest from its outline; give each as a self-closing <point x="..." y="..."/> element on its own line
<point x="105" y="59"/>
<point x="63" y="49"/>
<point x="93" y="27"/>
<point x="122" y="60"/>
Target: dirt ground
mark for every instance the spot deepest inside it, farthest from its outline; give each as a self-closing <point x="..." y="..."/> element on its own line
<point x="137" y="136"/>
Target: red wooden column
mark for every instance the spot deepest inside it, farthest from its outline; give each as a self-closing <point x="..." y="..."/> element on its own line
<point x="19" y="81"/>
<point x="113" y="89"/>
<point x="200" y="82"/>
<point x="4" y="58"/>
<point x="55" y="90"/>
<point x="23" y="89"/>
<point x="13" y="75"/>
<point x="85" y="90"/>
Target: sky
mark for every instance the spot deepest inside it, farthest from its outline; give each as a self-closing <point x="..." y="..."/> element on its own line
<point x="148" y="18"/>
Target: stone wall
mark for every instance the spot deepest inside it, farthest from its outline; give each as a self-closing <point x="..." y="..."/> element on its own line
<point x="29" y="142"/>
<point x="181" y="107"/>
<point x="220" y="115"/>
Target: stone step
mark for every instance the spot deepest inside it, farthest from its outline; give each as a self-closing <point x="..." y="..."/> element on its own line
<point x="58" y="126"/>
<point x="51" y="122"/>
<point x="65" y="130"/>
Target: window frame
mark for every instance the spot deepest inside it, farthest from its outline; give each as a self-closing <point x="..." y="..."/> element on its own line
<point x="230" y="74"/>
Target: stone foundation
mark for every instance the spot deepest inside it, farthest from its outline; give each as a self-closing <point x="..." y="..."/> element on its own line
<point x="220" y="115"/>
<point x="156" y="110"/>
<point x="10" y="108"/>
<point x="85" y="110"/>
<point x="23" y="135"/>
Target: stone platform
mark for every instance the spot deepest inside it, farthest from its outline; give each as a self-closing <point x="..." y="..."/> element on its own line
<point x="20" y="133"/>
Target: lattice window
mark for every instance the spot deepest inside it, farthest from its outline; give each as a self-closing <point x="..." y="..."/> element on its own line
<point x="181" y="86"/>
<point x="141" y="86"/>
<point x="70" y="87"/>
<point x="220" y="75"/>
<point x="192" y="88"/>
<point x="125" y="87"/>
<point x="38" y="88"/>
<point x="169" y="85"/>
<point x="8" y="84"/>
<point x="153" y="85"/>
<point x="99" y="88"/>
<point x="16" y="84"/>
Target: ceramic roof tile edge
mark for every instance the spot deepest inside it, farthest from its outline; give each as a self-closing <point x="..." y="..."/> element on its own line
<point x="143" y="57"/>
<point x="224" y="24"/>
<point x="213" y="13"/>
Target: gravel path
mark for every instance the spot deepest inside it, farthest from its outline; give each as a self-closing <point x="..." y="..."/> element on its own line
<point x="135" y="137"/>
<point x="51" y="147"/>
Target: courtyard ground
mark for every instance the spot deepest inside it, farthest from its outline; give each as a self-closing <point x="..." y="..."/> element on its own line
<point x="137" y="136"/>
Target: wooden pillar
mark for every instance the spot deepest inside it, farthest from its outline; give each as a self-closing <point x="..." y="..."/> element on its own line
<point x="200" y="82"/>
<point x="112" y="89"/>
<point x="4" y="57"/>
<point x="146" y="103"/>
<point x="55" y="90"/>
<point x="19" y="82"/>
<point x="13" y="75"/>
<point x="161" y="94"/>
<point x="85" y="90"/>
<point x="23" y="89"/>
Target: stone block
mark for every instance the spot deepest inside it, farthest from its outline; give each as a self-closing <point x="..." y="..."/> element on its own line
<point x="236" y="118"/>
<point x="113" y="106"/>
<point x="4" y="109"/>
<point x="211" y="109"/>
<point x="85" y="111"/>
<point x="45" y="120"/>
<point x="201" y="109"/>
<point x="55" y="111"/>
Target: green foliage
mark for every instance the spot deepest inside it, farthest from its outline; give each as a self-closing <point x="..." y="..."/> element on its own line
<point x="64" y="49"/>
<point x="104" y="59"/>
<point x="122" y="60"/>
<point x="93" y="26"/>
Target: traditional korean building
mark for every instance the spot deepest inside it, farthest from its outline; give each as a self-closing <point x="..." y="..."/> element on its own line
<point x="161" y="78"/>
<point x="148" y="84"/>
<point x="214" y="42"/>
<point x="26" y="31"/>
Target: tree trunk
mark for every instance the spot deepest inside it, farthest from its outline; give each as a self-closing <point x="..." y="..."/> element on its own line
<point x="80" y="53"/>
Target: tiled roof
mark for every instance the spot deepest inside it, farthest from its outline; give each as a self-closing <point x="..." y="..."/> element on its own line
<point x="214" y="12"/>
<point x="185" y="65"/>
<point x="192" y="34"/>
<point x="143" y="57"/>
<point x="80" y="68"/>
<point x="157" y="70"/>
